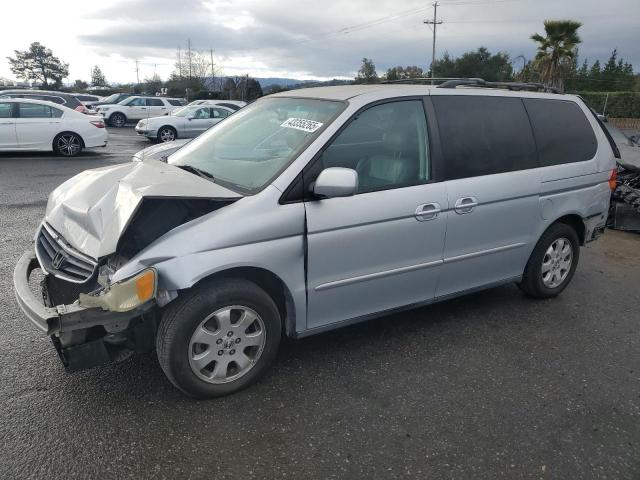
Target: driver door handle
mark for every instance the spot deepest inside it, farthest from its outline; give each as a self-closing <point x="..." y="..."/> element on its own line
<point x="427" y="211"/>
<point x="465" y="205"/>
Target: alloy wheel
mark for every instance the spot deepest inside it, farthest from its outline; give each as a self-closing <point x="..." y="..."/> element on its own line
<point x="167" y="135"/>
<point x="556" y="263"/>
<point x="68" y="144"/>
<point x="227" y="344"/>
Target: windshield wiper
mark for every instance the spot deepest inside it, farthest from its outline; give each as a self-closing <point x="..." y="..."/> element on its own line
<point x="196" y="171"/>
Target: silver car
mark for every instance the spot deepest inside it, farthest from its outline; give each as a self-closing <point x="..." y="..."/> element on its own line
<point x="186" y="122"/>
<point x="310" y="210"/>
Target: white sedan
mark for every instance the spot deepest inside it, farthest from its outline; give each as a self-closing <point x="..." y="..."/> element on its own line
<point x="187" y="122"/>
<point x="37" y="125"/>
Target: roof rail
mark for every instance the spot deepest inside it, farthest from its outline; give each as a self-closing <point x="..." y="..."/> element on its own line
<point x="477" y="82"/>
<point x="427" y="79"/>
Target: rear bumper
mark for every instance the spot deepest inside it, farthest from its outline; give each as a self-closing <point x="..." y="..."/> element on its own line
<point x="594" y="227"/>
<point x="61" y="318"/>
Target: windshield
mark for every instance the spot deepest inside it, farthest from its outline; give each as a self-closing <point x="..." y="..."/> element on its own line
<point x="251" y="147"/>
<point x="111" y="98"/>
<point x="187" y="111"/>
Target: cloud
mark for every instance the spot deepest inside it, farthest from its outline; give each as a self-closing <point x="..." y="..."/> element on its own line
<point x="310" y="37"/>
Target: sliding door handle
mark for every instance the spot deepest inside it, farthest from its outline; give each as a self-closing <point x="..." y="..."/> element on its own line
<point x="465" y="205"/>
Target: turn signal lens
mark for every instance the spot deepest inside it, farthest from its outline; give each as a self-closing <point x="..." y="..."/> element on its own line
<point x="146" y="285"/>
<point x="613" y="179"/>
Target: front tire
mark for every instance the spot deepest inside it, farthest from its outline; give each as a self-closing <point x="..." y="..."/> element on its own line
<point x="117" y="120"/>
<point x="167" y="134"/>
<point x="218" y="338"/>
<point x="552" y="263"/>
<point x="67" y="144"/>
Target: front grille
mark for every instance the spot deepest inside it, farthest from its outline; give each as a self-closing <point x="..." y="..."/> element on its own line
<point x="58" y="258"/>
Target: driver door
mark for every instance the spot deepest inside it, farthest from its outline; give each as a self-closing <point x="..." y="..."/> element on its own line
<point x="382" y="248"/>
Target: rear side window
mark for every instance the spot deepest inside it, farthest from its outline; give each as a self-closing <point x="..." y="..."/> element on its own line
<point x="6" y="110"/>
<point x="154" y="102"/>
<point x="484" y="135"/>
<point x="35" y="110"/>
<point x="562" y="132"/>
<point x="175" y="103"/>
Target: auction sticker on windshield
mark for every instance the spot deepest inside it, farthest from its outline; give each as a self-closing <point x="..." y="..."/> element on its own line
<point x="309" y="126"/>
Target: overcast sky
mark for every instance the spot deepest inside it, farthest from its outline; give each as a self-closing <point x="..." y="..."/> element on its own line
<point x="300" y="38"/>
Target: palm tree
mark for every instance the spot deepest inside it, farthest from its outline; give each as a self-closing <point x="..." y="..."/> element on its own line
<point x="556" y="50"/>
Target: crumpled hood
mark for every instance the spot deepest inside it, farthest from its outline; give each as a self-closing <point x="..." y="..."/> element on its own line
<point x="92" y="209"/>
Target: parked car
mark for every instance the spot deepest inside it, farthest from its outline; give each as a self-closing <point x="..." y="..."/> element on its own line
<point x="87" y="100"/>
<point x="311" y="210"/>
<point x="33" y="125"/>
<point x="60" y="98"/>
<point x="136" y="108"/>
<point x="113" y="99"/>
<point x="185" y="122"/>
<point x="232" y="104"/>
<point x="160" y="152"/>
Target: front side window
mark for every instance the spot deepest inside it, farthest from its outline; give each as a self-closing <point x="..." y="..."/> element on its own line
<point x="5" y="110"/>
<point x="386" y="144"/>
<point x="253" y="146"/>
<point x="219" y="113"/>
<point x="202" y="113"/>
<point x="484" y="135"/>
<point x="154" y="102"/>
<point x="562" y="131"/>
<point x="34" y="110"/>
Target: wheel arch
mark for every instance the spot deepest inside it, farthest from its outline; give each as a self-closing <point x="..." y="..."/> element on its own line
<point x="271" y="283"/>
<point x="576" y="222"/>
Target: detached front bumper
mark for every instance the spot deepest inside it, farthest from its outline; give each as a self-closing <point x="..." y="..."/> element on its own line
<point x="61" y="318"/>
<point x="84" y="337"/>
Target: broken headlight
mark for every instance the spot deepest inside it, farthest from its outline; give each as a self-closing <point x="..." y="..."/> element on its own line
<point x="124" y="295"/>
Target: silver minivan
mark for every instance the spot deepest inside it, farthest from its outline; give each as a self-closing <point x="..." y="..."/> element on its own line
<point x="313" y="209"/>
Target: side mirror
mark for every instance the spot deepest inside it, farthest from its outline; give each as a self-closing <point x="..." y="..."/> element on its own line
<point x="336" y="182"/>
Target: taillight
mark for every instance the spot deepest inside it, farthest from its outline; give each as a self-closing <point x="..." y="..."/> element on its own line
<point x="613" y="179"/>
<point x="97" y="123"/>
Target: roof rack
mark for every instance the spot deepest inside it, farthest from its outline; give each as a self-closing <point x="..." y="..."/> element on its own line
<point x="478" y="82"/>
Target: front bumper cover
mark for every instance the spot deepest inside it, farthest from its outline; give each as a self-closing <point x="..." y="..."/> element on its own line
<point x="62" y="318"/>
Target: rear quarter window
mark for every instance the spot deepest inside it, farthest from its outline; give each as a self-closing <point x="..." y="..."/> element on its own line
<point x="175" y="103"/>
<point x="562" y="132"/>
<point x="483" y="135"/>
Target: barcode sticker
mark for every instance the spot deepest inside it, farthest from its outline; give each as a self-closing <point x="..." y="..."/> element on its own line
<point x="309" y="126"/>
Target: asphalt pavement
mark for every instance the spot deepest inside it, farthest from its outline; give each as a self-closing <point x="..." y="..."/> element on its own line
<point x="491" y="385"/>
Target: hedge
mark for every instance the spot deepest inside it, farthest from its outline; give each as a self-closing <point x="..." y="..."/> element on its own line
<point x="619" y="104"/>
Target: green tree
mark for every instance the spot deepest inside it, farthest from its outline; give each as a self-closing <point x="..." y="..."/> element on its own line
<point x="401" y="73"/>
<point x="556" y="50"/>
<point x="97" y="77"/>
<point x="80" y="85"/>
<point x="38" y="63"/>
<point x="480" y="63"/>
<point x="367" y="72"/>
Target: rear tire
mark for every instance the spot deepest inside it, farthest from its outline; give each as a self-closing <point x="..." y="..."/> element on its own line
<point x="68" y="144"/>
<point x="552" y="263"/>
<point x="208" y="342"/>
<point x="117" y="120"/>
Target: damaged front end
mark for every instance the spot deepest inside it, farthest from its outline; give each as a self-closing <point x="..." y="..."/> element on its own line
<point x="92" y="229"/>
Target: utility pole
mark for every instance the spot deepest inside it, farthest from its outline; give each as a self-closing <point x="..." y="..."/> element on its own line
<point x="433" y="22"/>
<point x="189" y="46"/>
<point x="213" y="72"/>
<point x="137" y="73"/>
